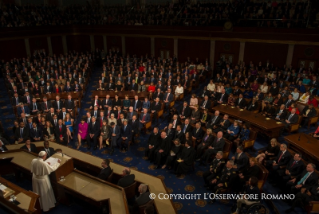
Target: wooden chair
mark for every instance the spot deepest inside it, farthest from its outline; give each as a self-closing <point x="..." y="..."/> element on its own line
<point x="130" y="190"/>
<point x="141" y="208"/>
<point x="251" y="141"/>
<point x="295" y="127"/>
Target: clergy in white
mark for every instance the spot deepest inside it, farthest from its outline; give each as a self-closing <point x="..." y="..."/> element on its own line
<point x="40" y="180"/>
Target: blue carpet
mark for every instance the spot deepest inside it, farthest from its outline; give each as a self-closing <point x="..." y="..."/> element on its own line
<point x="191" y="183"/>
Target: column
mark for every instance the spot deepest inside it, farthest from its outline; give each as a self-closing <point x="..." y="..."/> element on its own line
<point x="152" y="46"/>
<point x="241" y="52"/>
<point x="92" y="42"/>
<point x="50" y="46"/>
<point x="212" y="54"/>
<point x="65" y="46"/>
<point x="27" y="47"/>
<point x="123" y="45"/>
<point x="290" y="54"/>
<point x="176" y="47"/>
<point x="104" y="44"/>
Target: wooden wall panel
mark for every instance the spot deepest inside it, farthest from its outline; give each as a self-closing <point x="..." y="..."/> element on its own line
<point x="275" y="53"/>
<point x="163" y="44"/>
<point x="98" y="42"/>
<point x="57" y="47"/>
<point x="113" y="42"/>
<point x="227" y="48"/>
<point x="12" y="49"/>
<point x="304" y="52"/>
<point x="193" y="49"/>
<point x="138" y="45"/>
<point x="78" y="43"/>
<point x="38" y="43"/>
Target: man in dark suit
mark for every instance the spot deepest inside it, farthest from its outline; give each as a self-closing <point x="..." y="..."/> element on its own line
<point x="240" y="101"/>
<point x="134" y="123"/>
<point x="179" y="135"/>
<point x="307" y="113"/>
<point x="22" y="133"/>
<point x="206" y="103"/>
<point x="215" y="168"/>
<point x="32" y="147"/>
<point x="289" y="101"/>
<point x="213" y="148"/>
<point x="49" y="150"/>
<point x="197" y="133"/>
<point x="57" y="104"/>
<point x="222" y="98"/>
<point x="48" y="88"/>
<point x="291" y="118"/>
<point x="168" y="97"/>
<point x="223" y="125"/>
<point x="156" y="106"/>
<point x="185" y="111"/>
<point x="137" y="104"/>
<point x="34" y="107"/>
<point x="170" y="132"/>
<point x="69" y="104"/>
<point x="96" y="102"/>
<point x="144" y="196"/>
<point x="125" y="136"/>
<point x="27" y="98"/>
<point x="93" y="133"/>
<point x="186" y="127"/>
<point x="36" y="133"/>
<point x="240" y="159"/>
<point x="127" y="179"/>
<point x="144" y="118"/>
<point x="107" y="102"/>
<point x="281" y="113"/>
<point x="281" y="160"/>
<point x="115" y="134"/>
<point x="215" y="120"/>
<point x="46" y="105"/>
<point x="106" y="170"/>
<point x="60" y="133"/>
<point x="133" y="86"/>
<point x="158" y="94"/>
<point x="306" y="179"/>
<point x="154" y="141"/>
<point x="16" y="100"/>
<point x="23" y="109"/>
<point x="294" y="169"/>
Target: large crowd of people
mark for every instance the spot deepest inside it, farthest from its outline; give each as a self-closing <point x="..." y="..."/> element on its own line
<point x="194" y="133"/>
<point x="281" y="13"/>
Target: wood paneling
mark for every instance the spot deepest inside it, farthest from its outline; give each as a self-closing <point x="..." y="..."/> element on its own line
<point x="275" y="53"/>
<point x="304" y="52"/>
<point x="223" y="47"/>
<point x="57" y="47"/>
<point x="38" y="43"/>
<point x="98" y="42"/>
<point x="163" y="44"/>
<point x="193" y="49"/>
<point x="114" y="42"/>
<point x="138" y="46"/>
<point x="12" y="49"/>
<point x="78" y="43"/>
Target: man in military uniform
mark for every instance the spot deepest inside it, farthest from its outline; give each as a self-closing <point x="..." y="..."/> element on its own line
<point x="216" y="167"/>
<point x="222" y="180"/>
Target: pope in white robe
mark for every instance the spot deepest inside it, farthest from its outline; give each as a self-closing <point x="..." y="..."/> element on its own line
<point x="40" y="181"/>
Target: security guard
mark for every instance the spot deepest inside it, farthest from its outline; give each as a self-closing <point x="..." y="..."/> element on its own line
<point x="215" y="168"/>
<point x="222" y="181"/>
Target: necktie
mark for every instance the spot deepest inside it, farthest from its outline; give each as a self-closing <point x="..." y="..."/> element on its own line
<point x="124" y="128"/>
<point x="206" y="137"/>
<point x="221" y="98"/>
<point x="101" y="122"/>
<point x="114" y="130"/>
<point x="204" y="104"/>
<point x="17" y="102"/>
<point x="58" y="105"/>
<point x="28" y="99"/>
<point x="174" y="123"/>
<point x="23" y="110"/>
<point x="21" y="132"/>
<point x="303" y="179"/>
<point x="280" y="157"/>
<point x="118" y="115"/>
<point x="290" y="117"/>
<point x="167" y="96"/>
<point x="135" y="104"/>
<point x="35" y="106"/>
<point x="143" y="117"/>
<point x="293" y="164"/>
<point x="183" y="111"/>
<point x="46" y="107"/>
<point x="63" y="115"/>
<point x="214" y="120"/>
<point x="184" y="128"/>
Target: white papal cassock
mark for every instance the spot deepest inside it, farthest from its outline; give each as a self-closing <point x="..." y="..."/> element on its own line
<point x="41" y="183"/>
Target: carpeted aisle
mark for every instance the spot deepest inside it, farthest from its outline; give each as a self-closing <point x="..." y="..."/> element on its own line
<point x="191" y="183"/>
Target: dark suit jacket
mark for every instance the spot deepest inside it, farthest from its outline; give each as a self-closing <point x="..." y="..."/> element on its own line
<point x="138" y="104"/>
<point x="187" y="111"/>
<point x="311" y="180"/>
<point x="199" y="133"/>
<point x="26" y="110"/>
<point x="127" y="133"/>
<point x="293" y="119"/>
<point x="170" y="97"/>
<point x="126" y="181"/>
<point x="180" y="136"/>
<point x="241" y="162"/>
<point x="285" y="158"/>
<point x="38" y="107"/>
<point x="94" y="129"/>
<point x="134" y="126"/>
<point x="311" y="113"/>
<point x="224" y="98"/>
<point x="295" y="169"/>
<point x="55" y="105"/>
<point x="241" y="104"/>
<point x="62" y="132"/>
<point x="218" y="146"/>
<point x="283" y="114"/>
<point x="69" y="105"/>
<point x="208" y="104"/>
<point x="131" y="87"/>
<point x="98" y="102"/>
<point x="143" y="198"/>
<point x="33" y="148"/>
<point x="51" y="150"/>
<point x="25" y="133"/>
<point x="105" y="173"/>
<point x="108" y="102"/>
<point x="189" y="128"/>
<point x="36" y="134"/>
<point x="210" y="123"/>
<point x="48" y="105"/>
